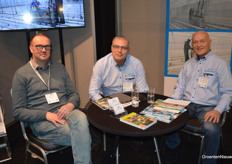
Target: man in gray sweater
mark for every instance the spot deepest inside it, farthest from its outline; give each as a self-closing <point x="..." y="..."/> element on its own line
<point x="44" y="97"/>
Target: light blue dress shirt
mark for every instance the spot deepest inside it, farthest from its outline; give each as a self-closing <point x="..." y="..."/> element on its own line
<point x="218" y="91"/>
<point x="108" y="77"/>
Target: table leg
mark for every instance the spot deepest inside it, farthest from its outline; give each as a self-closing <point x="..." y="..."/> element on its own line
<point x="104" y="140"/>
<point x="115" y="149"/>
<point x="117" y="158"/>
<point x="157" y="150"/>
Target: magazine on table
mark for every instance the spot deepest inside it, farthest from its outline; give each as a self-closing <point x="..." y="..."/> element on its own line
<point x="165" y="113"/>
<point x="163" y="116"/>
<point x="138" y="120"/>
<point x="102" y="103"/>
<point x="171" y="105"/>
<point x="123" y="98"/>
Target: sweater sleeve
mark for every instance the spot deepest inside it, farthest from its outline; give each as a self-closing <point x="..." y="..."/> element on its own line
<point x="72" y="94"/>
<point x="21" y="111"/>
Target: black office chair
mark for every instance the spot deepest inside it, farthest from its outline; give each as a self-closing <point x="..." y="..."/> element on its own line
<point x="193" y="127"/>
<point x="44" y="147"/>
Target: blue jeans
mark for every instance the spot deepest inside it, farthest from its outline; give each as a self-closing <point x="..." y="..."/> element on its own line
<point x="75" y="133"/>
<point x="211" y="132"/>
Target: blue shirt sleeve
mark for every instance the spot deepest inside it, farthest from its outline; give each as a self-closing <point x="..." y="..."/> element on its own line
<point x="95" y="83"/>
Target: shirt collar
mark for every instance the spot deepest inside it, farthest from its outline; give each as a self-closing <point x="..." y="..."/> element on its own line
<point x="206" y="57"/>
<point x="37" y="66"/>
<point x="125" y="64"/>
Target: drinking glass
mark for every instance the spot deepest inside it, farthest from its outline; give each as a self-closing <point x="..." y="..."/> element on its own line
<point x="135" y="98"/>
<point x="151" y="96"/>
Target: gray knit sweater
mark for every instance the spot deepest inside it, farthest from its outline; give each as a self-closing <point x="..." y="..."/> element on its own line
<point x="29" y="102"/>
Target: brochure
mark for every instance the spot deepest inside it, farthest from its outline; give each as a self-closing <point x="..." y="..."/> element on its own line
<point x="166" y="110"/>
<point x="171" y="105"/>
<point x="102" y="103"/>
<point x="138" y="120"/>
<point x="124" y="99"/>
<point x="163" y="116"/>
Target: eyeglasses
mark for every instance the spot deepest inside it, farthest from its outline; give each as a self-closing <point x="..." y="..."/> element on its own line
<point x="124" y="48"/>
<point x="200" y="41"/>
<point x="40" y="47"/>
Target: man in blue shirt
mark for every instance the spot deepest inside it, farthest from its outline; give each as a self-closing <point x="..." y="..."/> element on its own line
<point x="117" y="72"/>
<point x="205" y="80"/>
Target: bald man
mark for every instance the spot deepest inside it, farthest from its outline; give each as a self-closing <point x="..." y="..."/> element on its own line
<point x="205" y="80"/>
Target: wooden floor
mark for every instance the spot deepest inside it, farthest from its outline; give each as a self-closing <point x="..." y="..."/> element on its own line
<point x="128" y="154"/>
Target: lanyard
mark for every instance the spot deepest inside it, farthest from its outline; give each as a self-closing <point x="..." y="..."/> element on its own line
<point x="38" y="74"/>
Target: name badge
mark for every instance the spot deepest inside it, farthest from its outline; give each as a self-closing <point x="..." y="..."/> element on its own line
<point x="52" y="98"/>
<point x="127" y="86"/>
<point x="203" y="82"/>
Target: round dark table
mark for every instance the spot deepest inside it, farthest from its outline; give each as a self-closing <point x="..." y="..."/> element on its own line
<point x="107" y="122"/>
